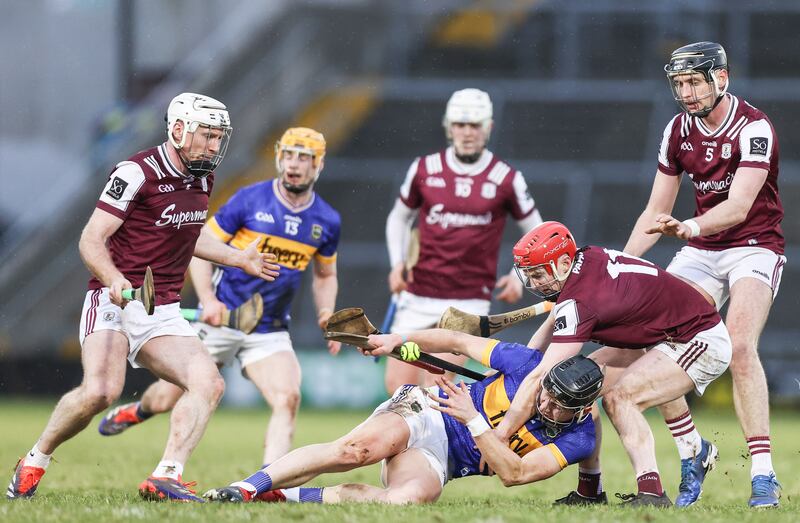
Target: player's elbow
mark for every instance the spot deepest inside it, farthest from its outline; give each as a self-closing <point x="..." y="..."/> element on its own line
<point x="512" y="477"/>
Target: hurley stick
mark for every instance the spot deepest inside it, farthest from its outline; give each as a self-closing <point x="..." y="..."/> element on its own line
<point x="245" y="317"/>
<point x="485" y="326"/>
<point x="145" y="294"/>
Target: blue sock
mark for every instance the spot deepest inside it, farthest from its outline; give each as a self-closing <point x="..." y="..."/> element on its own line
<point x="261" y="481"/>
<point x="142" y="414"/>
<point x="311" y="494"/>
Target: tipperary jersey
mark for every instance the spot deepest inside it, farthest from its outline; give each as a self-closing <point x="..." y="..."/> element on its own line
<point x="294" y="235"/>
<point x="492" y="397"/>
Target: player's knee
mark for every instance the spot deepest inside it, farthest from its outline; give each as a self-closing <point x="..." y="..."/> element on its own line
<point x="615" y="398"/>
<point x="353" y="452"/>
<point x="99" y="395"/>
<point x="744" y="357"/>
<point x="216" y="389"/>
<point x="286" y="401"/>
<point x="406" y="496"/>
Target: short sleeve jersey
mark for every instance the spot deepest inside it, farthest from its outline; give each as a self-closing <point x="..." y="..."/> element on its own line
<point x="461" y="220"/>
<point x="295" y="235"/>
<point x="492" y="397"/>
<point x="746" y="138"/>
<point x="616" y="299"/>
<point x="162" y="211"/>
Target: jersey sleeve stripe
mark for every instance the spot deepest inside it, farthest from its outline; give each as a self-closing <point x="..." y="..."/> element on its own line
<point x="562" y="461"/>
<point x="325" y="259"/>
<point x="218" y="231"/>
<point x="487" y="352"/>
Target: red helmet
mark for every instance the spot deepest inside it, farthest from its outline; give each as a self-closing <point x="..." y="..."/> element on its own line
<point x="541" y="247"/>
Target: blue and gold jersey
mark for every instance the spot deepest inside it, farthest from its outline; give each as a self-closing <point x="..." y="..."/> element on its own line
<point x="295" y="235"/>
<point x="492" y="397"/>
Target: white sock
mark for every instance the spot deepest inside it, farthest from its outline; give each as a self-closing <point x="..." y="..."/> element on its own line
<point x="168" y="469"/>
<point x="760" y="455"/>
<point x="685" y="434"/>
<point x="292" y="494"/>
<point x="36" y="458"/>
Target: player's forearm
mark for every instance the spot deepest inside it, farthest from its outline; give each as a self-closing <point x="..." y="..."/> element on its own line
<point x="398" y="231"/>
<point x="211" y="248"/>
<point x="640" y="242"/>
<point x="97" y="259"/>
<point x="521" y="408"/>
<point x="723" y="216"/>
<point x="324" y="289"/>
<point x="544" y="334"/>
<point x="200" y="270"/>
<point x="500" y="458"/>
<point x="440" y="341"/>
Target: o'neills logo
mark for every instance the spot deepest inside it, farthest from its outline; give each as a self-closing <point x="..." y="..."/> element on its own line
<point x="455" y="219"/>
<point x="286" y="257"/>
<point x="178" y="219"/>
<point x="714" y="185"/>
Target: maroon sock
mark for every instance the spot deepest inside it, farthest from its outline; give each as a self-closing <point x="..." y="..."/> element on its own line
<point x="650" y="483"/>
<point x="589" y="485"/>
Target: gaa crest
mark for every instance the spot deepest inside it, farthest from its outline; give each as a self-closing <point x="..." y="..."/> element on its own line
<point x="316" y="231"/>
<point x="726" y="151"/>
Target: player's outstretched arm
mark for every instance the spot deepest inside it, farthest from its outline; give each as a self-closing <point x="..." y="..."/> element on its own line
<point x="398" y="233"/>
<point x="250" y="260"/>
<point x="432" y="341"/>
<point x="662" y="200"/>
<point x="94" y="253"/>
<point x="537" y="465"/>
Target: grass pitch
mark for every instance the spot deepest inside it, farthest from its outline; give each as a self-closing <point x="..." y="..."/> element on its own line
<point x="95" y="477"/>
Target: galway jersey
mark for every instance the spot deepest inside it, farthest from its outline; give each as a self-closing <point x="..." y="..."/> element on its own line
<point x="462" y="212"/>
<point x="619" y="300"/>
<point x="492" y="397"/>
<point x="294" y="235"/>
<point x="162" y="211"/>
<point x="746" y="138"/>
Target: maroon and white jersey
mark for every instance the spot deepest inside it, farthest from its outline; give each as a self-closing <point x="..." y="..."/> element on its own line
<point x="619" y="300"/>
<point x="746" y="138"/>
<point x="163" y="211"/>
<point x="462" y="212"/>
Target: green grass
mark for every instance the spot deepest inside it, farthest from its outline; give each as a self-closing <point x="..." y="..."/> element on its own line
<point x="95" y="478"/>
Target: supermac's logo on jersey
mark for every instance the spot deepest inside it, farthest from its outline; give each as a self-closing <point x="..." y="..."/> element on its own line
<point x="758" y="145"/>
<point x="181" y="218"/>
<point x="117" y="188"/>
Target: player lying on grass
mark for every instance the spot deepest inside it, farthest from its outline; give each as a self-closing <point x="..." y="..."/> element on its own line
<point x="423" y="445"/>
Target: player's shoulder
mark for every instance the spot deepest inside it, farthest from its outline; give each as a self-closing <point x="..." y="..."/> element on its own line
<point x="325" y="210"/>
<point x="431" y="163"/>
<point x="679" y="125"/>
<point x="750" y="111"/>
<point x="500" y="172"/>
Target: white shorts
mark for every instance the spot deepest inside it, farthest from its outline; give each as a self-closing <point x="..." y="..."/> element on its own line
<point x="225" y="344"/>
<point x="717" y="271"/>
<point x="100" y="314"/>
<point x="420" y="312"/>
<point x="704" y="358"/>
<point x="425" y="424"/>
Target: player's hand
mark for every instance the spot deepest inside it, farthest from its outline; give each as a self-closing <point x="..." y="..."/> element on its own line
<point x="669" y="226"/>
<point x="257" y="263"/>
<point x="334" y="347"/>
<point x="383" y="344"/>
<point x="211" y="312"/>
<point x="397" y="280"/>
<point x="458" y="404"/>
<point x="511" y="288"/>
<point x="115" y="290"/>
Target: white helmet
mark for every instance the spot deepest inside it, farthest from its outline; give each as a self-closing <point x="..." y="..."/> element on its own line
<point x="195" y="110"/>
<point x="468" y="106"/>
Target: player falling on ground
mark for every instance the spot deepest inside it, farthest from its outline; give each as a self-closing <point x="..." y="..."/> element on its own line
<point x="290" y="220"/>
<point x="622" y="301"/>
<point x="460" y="198"/>
<point x="149" y="214"/>
<point x="422" y="448"/>
<point x="735" y="250"/>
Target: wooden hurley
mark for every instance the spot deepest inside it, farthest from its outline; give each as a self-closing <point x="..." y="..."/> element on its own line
<point x="145" y="294"/>
<point x="484" y="326"/>
<point x="245" y="317"/>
